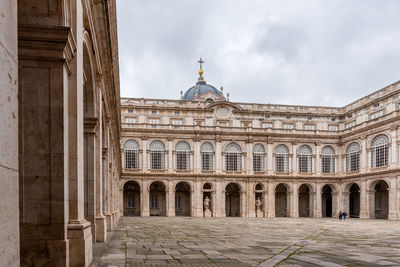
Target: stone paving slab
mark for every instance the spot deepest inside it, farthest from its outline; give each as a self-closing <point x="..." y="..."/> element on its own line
<point x="157" y="241"/>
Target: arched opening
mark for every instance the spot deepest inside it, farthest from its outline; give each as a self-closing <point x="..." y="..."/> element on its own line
<point x="158" y="205"/>
<point x="131" y="199"/>
<point x="326" y="201"/>
<point x="381" y="202"/>
<point x="281" y="201"/>
<point x="354" y="201"/>
<point x="182" y="199"/>
<point x="232" y="200"/>
<point x="305" y="201"/>
<point x="207" y="200"/>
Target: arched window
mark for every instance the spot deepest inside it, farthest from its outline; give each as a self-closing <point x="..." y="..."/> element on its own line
<point x="157" y="155"/>
<point x="258" y="158"/>
<point x="305" y="159"/>
<point x="131" y="153"/>
<point x="233" y="157"/>
<point x="328" y="159"/>
<point x="281" y="158"/>
<point x="182" y="149"/>
<point x="379" y="151"/>
<point x="207" y="153"/>
<point x="353" y="157"/>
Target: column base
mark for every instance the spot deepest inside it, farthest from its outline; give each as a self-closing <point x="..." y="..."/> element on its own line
<point x="31" y="253"/>
<point x="80" y="243"/>
<point x="252" y="214"/>
<point x="364" y="215"/>
<point x="392" y="216"/>
<point x="101" y="228"/>
<point x="318" y="215"/>
<point x="145" y="214"/>
<point x="171" y="214"/>
<point x="295" y="215"/>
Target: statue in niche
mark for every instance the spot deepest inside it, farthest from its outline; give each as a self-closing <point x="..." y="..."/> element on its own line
<point x="206" y="204"/>
<point x="258" y="204"/>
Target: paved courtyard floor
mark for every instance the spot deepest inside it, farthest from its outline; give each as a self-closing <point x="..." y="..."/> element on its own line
<point x="161" y="241"/>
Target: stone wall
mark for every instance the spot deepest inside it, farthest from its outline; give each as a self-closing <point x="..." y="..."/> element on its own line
<point x="9" y="230"/>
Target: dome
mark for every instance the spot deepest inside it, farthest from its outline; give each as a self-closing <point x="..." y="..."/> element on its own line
<point x="200" y="88"/>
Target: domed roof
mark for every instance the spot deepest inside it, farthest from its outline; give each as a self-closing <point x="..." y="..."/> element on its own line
<point x="200" y="88"/>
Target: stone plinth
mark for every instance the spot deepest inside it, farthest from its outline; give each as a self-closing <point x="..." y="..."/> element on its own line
<point x="259" y="214"/>
<point x="207" y="213"/>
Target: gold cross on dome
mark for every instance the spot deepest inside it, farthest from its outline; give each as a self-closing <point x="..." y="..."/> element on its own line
<point x="201" y="63"/>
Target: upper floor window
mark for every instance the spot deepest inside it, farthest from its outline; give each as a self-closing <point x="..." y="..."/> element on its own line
<point x="379" y="151"/>
<point x="281" y="158"/>
<point x="288" y="126"/>
<point x="154" y="112"/>
<point x="267" y="125"/>
<point x="130" y="120"/>
<point x="350" y="124"/>
<point x="233" y="157"/>
<point x="207" y="153"/>
<point x="131" y="153"/>
<point x="328" y="159"/>
<point x="130" y="110"/>
<point x="157" y="155"/>
<point x="333" y="128"/>
<point x="258" y="158"/>
<point x="353" y="157"/>
<point x="309" y="127"/>
<point x="182" y="149"/>
<point x="154" y="123"/>
<point x="305" y="159"/>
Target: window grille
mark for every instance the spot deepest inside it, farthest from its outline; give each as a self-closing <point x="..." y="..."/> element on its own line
<point x="258" y="158"/>
<point x="328" y="160"/>
<point x="131" y="152"/>
<point x="157" y="155"/>
<point x="233" y="157"/>
<point x="182" y="156"/>
<point x="379" y="151"/>
<point x="305" y="159"/>
<point x="281" y="158"/>
<point x="207" y="154"/>
<point x="353" y="157"/>
<point x="154" y="202"/>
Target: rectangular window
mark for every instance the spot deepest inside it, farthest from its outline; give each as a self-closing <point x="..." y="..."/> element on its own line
<point x="154" y="123"/>
<point x="328" y="164"/>
<point x="333" y="128"/>
<point x="132" y="159"/>
<point x="288" y="126"/>
<point x="154" y="112"/>
<point x="309" y="127"/>
<point x="376" y="115"/>
<point x="267" y="125"/>
<point x="130" y="120"/>
<point x="305" y="163"/>
<point x="130" y="110"/>
<point x="258" y="162"/>
<point x="351" y="124"/>
<point x="176" y="112"/>
<point x="207" y="161"/>
<point x="233" y="161"/>
<point x="182" y="160"/>
<point x="157" y="160"/>
<point x="177" y="122"/>
<point x="353" y="161"/>
<point x="379" y="156"/>
<point x="281" y="163"/>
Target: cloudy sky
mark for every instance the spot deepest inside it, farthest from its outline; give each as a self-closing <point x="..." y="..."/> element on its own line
<point x="309" y="52"/>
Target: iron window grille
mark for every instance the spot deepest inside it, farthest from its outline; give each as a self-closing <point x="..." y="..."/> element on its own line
<point x="328" y="160"/>
<point x="353" y="157"/>
<point x="233" y="157"/>
<point x="305" y="159"/>
<point x="380" y="151"/>
<point x="157" y="155"/>
<point x="281" y="158"/>
<point x="131" y="153"/>
<point x="258" y="158"/>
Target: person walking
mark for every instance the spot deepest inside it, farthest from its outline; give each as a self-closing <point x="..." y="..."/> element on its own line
<point x="340" y="215"/>
<point x="344" y="215"/>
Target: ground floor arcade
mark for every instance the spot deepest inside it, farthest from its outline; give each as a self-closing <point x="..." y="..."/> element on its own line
<point x="377" y="198"/>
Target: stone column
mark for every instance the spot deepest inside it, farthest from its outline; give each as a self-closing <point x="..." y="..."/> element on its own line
<point x="251" y="200"/>
<point x="218" y="157"/>
<point x="90" y="174"/>
<point x="317" y="161"/>
<point x="363" y="200"/>
<point x="371" y="203"/>
<point x="393" y="158"/>
<point x="249" y="168"/>
<point x="43" y="143"/>
<point x="345" y="202"/>
<point x="392" y="199"/>
<point x="318" y="206"/>
<point x="199" y="199"/>
<point x="243" y="210"/>
<point x="398" y="197"/>
<point x="336" y="204"/>
<point x="219" y="200"/>
<point x="170" y="199"/>
<point x="271" y="200"/>
<point x="265" y="204"/>
<point x="170" y="158"/>
<point x="295" y="201"/>
<point x="145" y="198"/>
<point x="144" y="155"/>
<point x="364" y="155"/>
<point x="213" y="203"/>
<point x="100" y="219"/>
<point x="196" y="158"/>
<point x="270" y="164"/>
<point x="294" y="159"/>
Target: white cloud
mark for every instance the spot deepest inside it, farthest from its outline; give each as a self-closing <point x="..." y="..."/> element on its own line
<point x="310" y="52"/>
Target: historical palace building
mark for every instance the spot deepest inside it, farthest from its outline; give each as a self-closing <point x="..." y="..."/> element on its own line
<point x="203" y="155"/>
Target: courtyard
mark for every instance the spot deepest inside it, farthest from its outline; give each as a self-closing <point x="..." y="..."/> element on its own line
<point x="184" y="241"/>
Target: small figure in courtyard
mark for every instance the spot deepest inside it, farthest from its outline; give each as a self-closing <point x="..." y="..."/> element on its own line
<point x="258" y="204"/>
<point x="344" y="215"/>
<point x="206" y="203"/>
<point x="340" y="215"/>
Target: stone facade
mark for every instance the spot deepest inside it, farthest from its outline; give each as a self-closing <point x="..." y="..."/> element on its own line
<point x="303" y="161"/>
<point x="60" y="130"/>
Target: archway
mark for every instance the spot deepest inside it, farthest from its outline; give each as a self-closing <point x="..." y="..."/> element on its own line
<point x="305" y="201"/>
<point x="232" y="200"/>
<point x="381" y="202"/>
<point x="281" y="201"/>
<point x="354" y="201"/>
<point x="158" y="205"/>
<point x="182" y="199"/>
<point x="131" y="199"/>
<point x="326" y="201"/>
